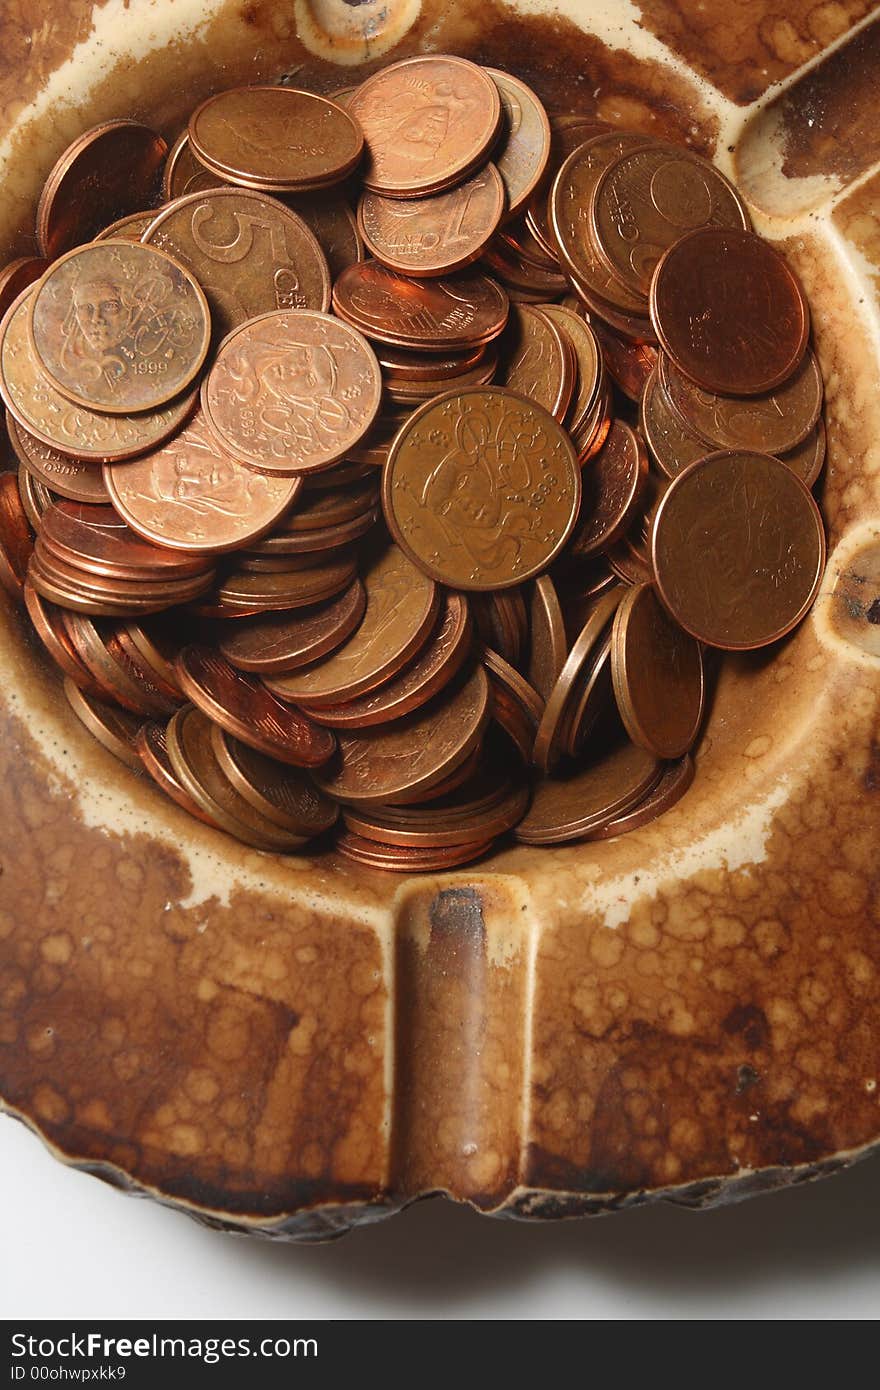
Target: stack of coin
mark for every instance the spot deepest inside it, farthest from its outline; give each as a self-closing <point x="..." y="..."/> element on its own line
<point x="395" y="472"/>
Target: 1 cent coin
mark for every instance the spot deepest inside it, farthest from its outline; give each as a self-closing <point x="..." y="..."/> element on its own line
<point x="292" y="391"/>
<point x="657" y="670"/>
<point x="772" y="423"/>
<point x="481" y="488"/>
<point x="570" y="807"/>
<point x="69" y="477"/>
<point x="539" y="361"/>
<point x="738" y="549"/>
<point x="674" y="782"/>
<point x="524" y="149"/>
<point x="286" y="797"/>
<point x="18" y="276"/>
<point x="286" y="641"/>
<point x="183" y="173"/>
<point x="434" y="235"/>
<point x="672" y="444"/>
<point x="729" y="312"/>
<point x="454" y="312"/>
<point x="113" y="727"/>
<point x="549" y="646"/>
<point x="119" y="327"/>
<point x="152" y="746"/>
<point x="613" y="482"/>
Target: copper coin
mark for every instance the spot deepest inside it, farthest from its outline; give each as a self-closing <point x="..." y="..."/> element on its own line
<point x="16" y="538"/>
<point x="738" y="549"/>
<point x="772" y="423"/>
<point x="593" y="700"/>
<point x="502" y="622"/>
<point x="550" y="738"/>
<point x="94" y="600"/>
<point x="589" y="437"/>
<point x="49" y="627"/>
<point x="275" y="138"/>
<point x="567" y="133"/>
<point x="519" y="239"/>
<point x="249" y="253"/>
<point x="88" y="435"/>
<point x="68" y="477"/>
<point x="113" y="727"/>
<point x="152" y="748"/>
<point x="489" y="823"/>
<point x="131" y="228"/>
<point x="334" y="225"/>
<point x="107" y="172"/>
<point x="275" y="592"/>
<point x="18" y="276"/>
<point x="190" y="495"/>
<point x="612" y="485"/>
<point x="141" y="667"/>
<point x="195" y="764"/>
<point x="402" y="608"/>
<point x="674" y="782"/>
<point x="481" y="488"/>
<point x="634" y="327"/>
<point x="341" y="475"/>
<point x="729" y="312"/>
<point x="183" y="173"/>
<point x="400" y="365"/>
<point x="522" y="280"/>
<point x="427" y="673"/>
<point x="137" y="594"/>
<point x="327" y="538"/>
<point x="539" y="360"/>
<point x="629" y="364"/>
<point x="316" y="511"/>
<point x="657" y="670"/>
<point x="673" y="446"/>
<point x="549" y="646"/>
<point x="570" y="807"/>
<point x="412" y="754"/>
<point x="427" y="121"/>
<point x="292" y="391"/>
<point x="414" y="393"/>
<point x="244" y="707"/>
<point x="515" y="686"/>
<point x="158" y="643"/>
<point x="119" y="327"/>
<point x="404" y="859"/>
<point x="286" y="797"/>
<point x="650" y="197"/>
<point x="588" y="358"/>
<point x="809" y="456"/>
<point x="286" y="641"/>
<point x="435" y="235"/>
<point x="97" y="538"/>
<point x="453" y="312"/>
<point x="111" y="669"/>
<point x="569" y="201"/>
<point x="524" y="148"/>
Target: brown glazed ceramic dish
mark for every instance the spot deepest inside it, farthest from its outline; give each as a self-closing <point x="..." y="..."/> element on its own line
<point x="292" y="1046"/>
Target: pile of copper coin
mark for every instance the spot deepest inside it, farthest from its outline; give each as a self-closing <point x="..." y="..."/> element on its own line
<point x="387" y="460"/>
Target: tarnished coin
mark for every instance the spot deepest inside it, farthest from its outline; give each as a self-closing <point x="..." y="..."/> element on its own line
<point x="285" y="641"/>
<point x="552" y="730"/>
<point x="729" y="311"/>
<point x="657" y="670"/>
<point x="463" y="820"/>
<point x="481" y="488"/>
<point x="194" y="761"/>
<point x="119" y="327"/>
<point x="331" y="220"/>
<point x="113" y="727"/>
<point x="549" y="646"/>
<point x="69" y="477"/>
<point x="434" y="235"/>
<point x="613" y="482"/>
<point x="539" y="360"/>
<point x="427" y="673"/>
<point x="650" y="197"/>
<point x="16" y="539"/>
<point x="502" y="621"/>
<point x="249" y="253"/>
<point x="190" y="495"/>
<point x="809" y="456"/>
<point x="570" y="807"/>
<point x="674" y="782"/>
<point x="275" y="138"/>
<point x="628" y="364"/>
<point x="107" y="172"/>
<point x="524" y="147"/>
<point x="292" y="391"/>
<point x="183" y="173"/>
<point x="772" y="423"/>
<point x="84" y="434"/>
<point x="152" y="748"/>
<point x="285" y="796"/>
<point x="567" y="133"/>
<point x="427" y="122"/>
<point x="281" y="590"/>
<point x="18" y="276"/>
<point x="402" y="608"/>
<point x="413" y="754"/>
<point x="453" y="312"/>
<point x="131" y="228"/>
<point x="523" y="281"/>
<point x="593" y="700"/>
<point x="738" y="549"/>
<point x="673" y="446"/>
<point x="244" y="707"/>
<point x="588" y="358"/>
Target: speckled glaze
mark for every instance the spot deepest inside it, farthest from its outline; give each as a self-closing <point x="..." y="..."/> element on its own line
<point x="292" y="1046"/>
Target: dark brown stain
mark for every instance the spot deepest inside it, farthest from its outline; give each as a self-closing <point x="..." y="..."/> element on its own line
<point x="750" y="1023"/>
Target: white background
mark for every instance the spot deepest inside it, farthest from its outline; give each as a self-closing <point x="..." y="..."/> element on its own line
<point x="72" y="1247"/>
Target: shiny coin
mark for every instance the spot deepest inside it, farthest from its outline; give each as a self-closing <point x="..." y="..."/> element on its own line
<point x="100" y="541"/>
<point x="285" y="796"/>
<point x="112" y="669"/>
<point x="281" y="590"/>
<point x="549" y="646"/>
<point x="427" y="122"/>
<point x="413" y="754"/>
<point x="157" y="643"/>
<point x="16" y="538"/>
<point x="241" y="705"/>
<point x="107" y="172"/>
<point x="657" y="670"/>
<point x="738" y="549"/>
<point x="772" y="423"/>
<point x="152" y="747"/>
<point x="18" y="276"/>
<point x="119" y="327"/>
<point x="190" y="495"/>
<point x="729" y="312"/>
<point x="628" y="364"/>
<point x="405" y="859"/>
<point x="285" y="641"/>
<point x="450" y="313"/>
<point x="249" y="253"/>
<point x="49" y="626"/>
<point x="588" y="358"/>
<point x="131" y="227"/>
<point x="402" y="607"/>
<point x="435" y="235"/>
<point x="552" y="730"/>
<point x="448" y="488"/>
<point x="572" y="806"/>
<point x="612" y="485"/>
<point x="539" y="361"/>
<point x="419" y="826"/>
<point x="593" y="701"/>
<point x="674" y="782"/>
<point x="672" y="444"/>
<point x="113" y="727"/>
<point x="275" y="138"/>
<point x="292" y="391"/>
<point x="524" y="148"/>
<point x="183" y="173"/>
